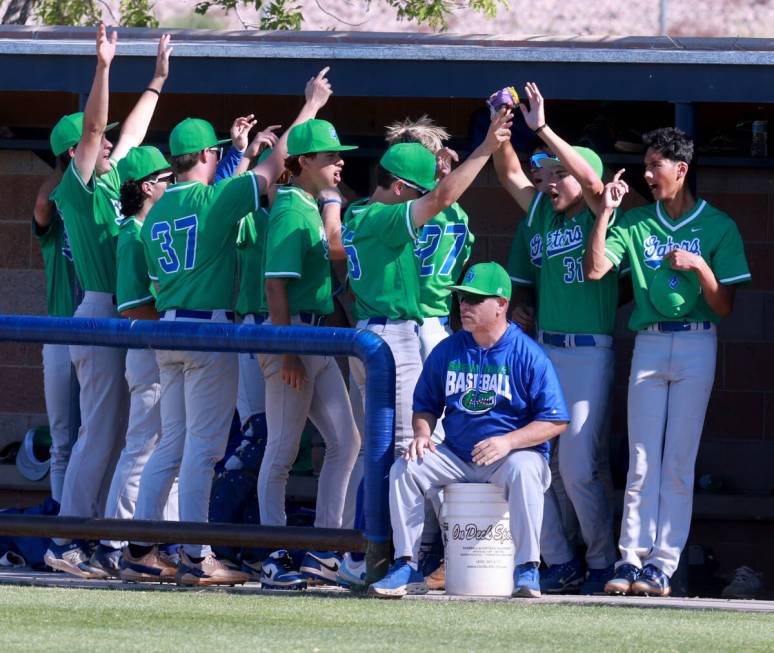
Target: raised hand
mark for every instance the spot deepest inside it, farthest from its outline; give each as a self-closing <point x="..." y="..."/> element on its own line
<point x="534" y="116"/>
<point x="263" y="139"/>
<point x="240" y="130"/>
<point x="499" y="130"/>
<point x="444" y="159"/>
<point x="162" y="58"/>
<point x="106" y="47"/>
<point x="318" y="89"/>
<point x="615" y="191"/>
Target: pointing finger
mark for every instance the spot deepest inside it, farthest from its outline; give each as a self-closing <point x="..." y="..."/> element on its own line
<point x="323" y="72"/>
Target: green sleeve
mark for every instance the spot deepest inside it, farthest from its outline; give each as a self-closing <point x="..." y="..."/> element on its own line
<point x="110" y="182"/>
<point x="246" y="234"/>
<point x="392" y="223"/>
<point x="520" y="267"/>
<point x="233" y="198"/>
<point x="286" y="245"/>
<point x="728" y="261"/>
<point x="616" y="241"/>
<point x="72" y="194"/>
<point x="150" y="262"/>
<point x="133" y="284"/>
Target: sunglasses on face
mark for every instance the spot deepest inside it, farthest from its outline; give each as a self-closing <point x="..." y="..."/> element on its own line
<point x="470" y="299"/>
<point x="218" y="151"/>
<point x="535" y="159"/>
<point x="167" y="178"/>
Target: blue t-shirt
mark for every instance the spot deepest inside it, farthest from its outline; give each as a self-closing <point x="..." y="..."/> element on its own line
<point x="228" y="164"/>
<point x="488" y="392"/>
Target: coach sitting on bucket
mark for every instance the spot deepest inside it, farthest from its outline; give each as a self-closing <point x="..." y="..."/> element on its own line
<point x="502" y="403"/>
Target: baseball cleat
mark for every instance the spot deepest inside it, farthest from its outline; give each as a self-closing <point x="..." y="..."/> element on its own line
<point x="253" y="569"/>
<point x="596" y="579"/>
<point x="652" y="582"/>
<point x="107" y="559"/>
<point x="437" y="579"/>
<point x="562" y="578"/>
<point x="621" y="582"/>
<point x="72" y="559"/>
<point x="208" y="571"/>
<point x="278" y="573"/>
<point x="351" y="572"/>
<point x="526" y="581"/>
<point x="154" y="566"/>
<point x="401" y="579"/>
<point x="321" y="566"/>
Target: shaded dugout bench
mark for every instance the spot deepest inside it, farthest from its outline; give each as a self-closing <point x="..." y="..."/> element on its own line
<point x="604" y="91"/>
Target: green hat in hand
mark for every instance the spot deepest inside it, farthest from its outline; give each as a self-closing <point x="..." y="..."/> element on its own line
<point x="588" y="155"/>
<point x="67" y="132"/>
<point x="141" y="162"/>
<point x="315" y="136"/>
<point x="488" y="279"/>
<point x="193" y="135"/>
<point x="673" y="293"/>
<point x="411" y="162"/>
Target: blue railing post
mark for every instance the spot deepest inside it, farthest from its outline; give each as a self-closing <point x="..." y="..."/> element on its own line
<point x="367" y="346"/>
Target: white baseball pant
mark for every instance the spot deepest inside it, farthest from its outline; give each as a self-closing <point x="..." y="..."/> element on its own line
<point x="142" y="437"/>
<point x="586" y="377"/>
<point x="402" y="338"/>
<point x="432" y="331"/>
<point x="104" y="403"/>
<point x="669" y="388"/>
<point x="324" y="400"/>
<point x="57" y="384"/>
<point x="524" y="474"/>
<point x="251" y="394"/>
<point x="198" y="395"/>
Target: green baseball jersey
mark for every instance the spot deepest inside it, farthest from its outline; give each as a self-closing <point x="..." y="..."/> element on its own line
<point x="647" y="234"/>
<point x="134" y="287"/>
<point x="383" y="273"/>
<point x="91" y="216"/>
<point x="190" y="241"/>
<point x="297" y="249"/>
<point x="251" y="245"/>
<point x="58" y="266"/>
<point x="443" y="248"/>
<point x="566" y="302"/>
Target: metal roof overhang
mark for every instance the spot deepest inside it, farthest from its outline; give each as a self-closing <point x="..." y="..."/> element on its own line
<point x="400" y="64"/>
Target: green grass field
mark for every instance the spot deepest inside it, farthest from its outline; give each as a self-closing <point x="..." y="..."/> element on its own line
<point x="42" y="619"/>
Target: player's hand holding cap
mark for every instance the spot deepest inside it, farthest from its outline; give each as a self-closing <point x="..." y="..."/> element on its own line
<point x="411" y="162"/>
<point x="489" y="279"/>
<point x="315" y="136"/>
<point x="193" y="135"/>
<point x="673" y="293"/>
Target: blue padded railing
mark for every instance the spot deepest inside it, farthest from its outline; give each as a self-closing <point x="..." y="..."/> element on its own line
<point x="368" y="347"/>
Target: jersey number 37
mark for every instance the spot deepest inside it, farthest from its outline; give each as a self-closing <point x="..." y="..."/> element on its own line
<point x="164" y="233"/>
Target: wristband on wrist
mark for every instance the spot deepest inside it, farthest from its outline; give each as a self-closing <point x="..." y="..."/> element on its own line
<point x="330" y="201"/>
<point x="541" y="128"/>
<point x="153" y="90"/>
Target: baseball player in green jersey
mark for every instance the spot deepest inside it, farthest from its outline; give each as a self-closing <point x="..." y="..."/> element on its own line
<point x="87" y="199"/>
<point x="190" y="246"/>
<point x="444" y="245"/>
<point x="575" y="320"/>
<point x="299" y="247"/>
<point x="687" y="258"/>
<point x="48" y="227"/>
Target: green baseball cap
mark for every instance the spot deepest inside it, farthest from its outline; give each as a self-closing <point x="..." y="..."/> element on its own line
<point x="140" y="162"/>
<point x="315" y="136"/>
<point x="193" y="135"/>
<point x="411" y="162"/>
<point x="588" y="155"/>
<point x="486" y="279"/>
<point x="67" y="132"/>
<point x="673" y="293"/>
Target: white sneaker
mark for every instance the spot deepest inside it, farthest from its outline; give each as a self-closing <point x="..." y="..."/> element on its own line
<point x="745" y="584"/>
<point x="351" y="572"/>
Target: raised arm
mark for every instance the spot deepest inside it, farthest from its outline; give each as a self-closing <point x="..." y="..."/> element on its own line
<point x="591" y="184"/>
<point x="95" y="114"/>
<point x="595" y="264"/>
<point x="266" y="138"/>
<point x="44" y="207"/>
<point x="512" y="176"/>
<point x="135" y="126"/>
<point x="318" y="90"/>
<point x="451" y="187"/>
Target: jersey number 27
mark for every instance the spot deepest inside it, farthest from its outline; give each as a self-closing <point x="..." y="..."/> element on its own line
<point x="427" y="245"/>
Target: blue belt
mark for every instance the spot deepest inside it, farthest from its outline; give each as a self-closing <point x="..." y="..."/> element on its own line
<point x="561" y="340"/>
<point x="312" y="319"/>
<point x="381" y="319"/>
<point x="198" y="315"/>
<point x="671" y="327"/>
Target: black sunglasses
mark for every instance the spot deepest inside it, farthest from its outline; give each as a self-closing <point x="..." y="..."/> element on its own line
<point x="470" y="298"/>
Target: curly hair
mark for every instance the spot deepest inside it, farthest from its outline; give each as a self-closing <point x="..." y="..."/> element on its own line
<point x="132" y="197"/>
<point x="423" y="131"/>
<point x="672" y="143"/>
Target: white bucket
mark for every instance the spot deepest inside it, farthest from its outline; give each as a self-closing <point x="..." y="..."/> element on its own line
<point x="479" y="549"/>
